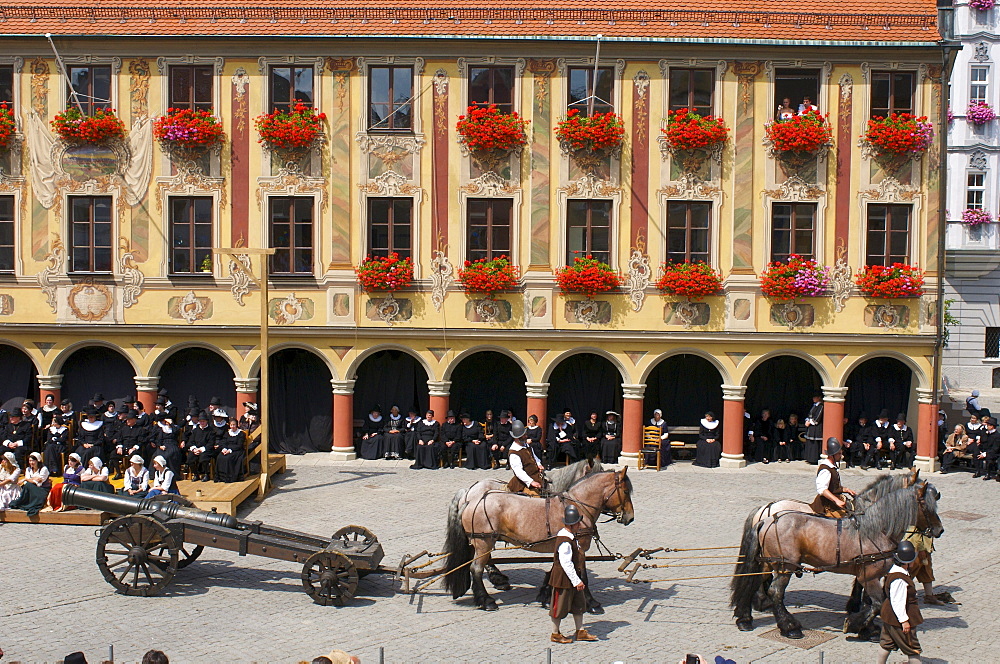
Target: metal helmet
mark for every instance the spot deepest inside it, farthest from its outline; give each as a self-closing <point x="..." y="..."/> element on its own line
<point x="517" y="429"/>
<point x="571" y="515"/>
<point x="905" y="553"/>
<point x="832" y="446"/>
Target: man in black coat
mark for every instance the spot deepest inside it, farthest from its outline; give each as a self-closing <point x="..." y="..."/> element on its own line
<point x="860" y="437"/>
<point x="200" y="444"/>
<point x="503" y="439"/>
<point x="129" y="438"/>
<point x="17" y="435"/>
<point x="881" y="430"/>
<point x="451" y="440"/>
<point x="989" y="450"/>
<point x="904" y="449"/>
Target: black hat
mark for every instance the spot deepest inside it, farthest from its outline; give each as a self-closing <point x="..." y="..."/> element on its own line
<point x="192" y="399"/>
<point x="901" y="417"/>
<point x="58" y="419"/>
<point x="15" y="413"/>
<point x="376" y="409"/>
<point x="98" y="397"/>
<point x="132" y="415"/>
<point x="161" y="401"/>
<point x="122" y="408"/>
<point x="65" y="402"/>
<point x="193" y="412"/>
<point x="504" y="413"/>
<point x="559" y="419"/>
<point x="430" y="411"/>
<point x="202" y="415"/>
<point x="162" y="392"/>
<point x="90" y="410"/>
<point x="215" y="401"/>
<point x="863" y="416"/>
<point x="611" y="412"/>
<point x="451" y="413"/>
<point x="465" y="416"/>
<point x="250" y="406"/>
<point x="884" y="413"/>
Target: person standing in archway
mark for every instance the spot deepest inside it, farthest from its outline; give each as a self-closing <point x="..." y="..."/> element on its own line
<point x="814" y="431"/>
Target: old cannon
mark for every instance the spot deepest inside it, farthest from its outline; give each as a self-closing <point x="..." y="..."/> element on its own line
<point x="140" y="551"/>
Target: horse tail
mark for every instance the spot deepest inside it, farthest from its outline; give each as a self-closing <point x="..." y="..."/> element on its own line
<point x="743" y="588"/>
<point x="458" y="547"/>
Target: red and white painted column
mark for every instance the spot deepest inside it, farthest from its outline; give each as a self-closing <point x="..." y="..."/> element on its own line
<point x="343" y="420"/>
<point x="145" y="391"/>
<point x="732" y="426"/>
<point x="632" y="405"/>
<point x="538" y="404"/>
<point x="927" y="431"/>
<point x="47" y="385"/>
<point x="439" y="392"/>
<point x="246" y="390"/>
<point x="833" y="414"/>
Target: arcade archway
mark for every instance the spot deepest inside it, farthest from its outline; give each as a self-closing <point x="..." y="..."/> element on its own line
<point x="488" y="380"/>
<point x="300" y="404"/>
<point x="783" y="384"/>
<point x="97" y="369"/>
<point x="391" y="378"/>
<point x="583" y="383"/>
<point x="684" y="387"/>
<point x="18" y="377"/>
<point x="880" y="383"/>
<point x="201" y="374"/>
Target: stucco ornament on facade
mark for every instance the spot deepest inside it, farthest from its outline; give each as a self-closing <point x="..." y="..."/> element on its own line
<point x="841" y="281"/>
<point x="290" y="181"/>
<point x="795" y="189"/>
<point x="239" y="272"/>
<point x="387" y="309"/>
<point x="191" y="308"/>
<point x="388" y="148"/>
<point x="442" y="277"/>
<point x="639" y="274"/>
<point x="979" y="161"/>
<point x="240" y="82"/>
<point x="190" y="179"/>
<point x="591" y="186"/>
<point x="586" y="312"/>
<point x="133" y="279"/>
<point x="790" y="314"/>
<point x="51" y="273"/>
<point x="90" y="302"/>
<point x="887" y="315"/>
<point x="489" y="184"/>
<point x="889" y="190"/>
<point x="389" y="183"/>
<point x="488" y="310"/>
<point x="289" y="310"/>
<point x="691" y="186"/>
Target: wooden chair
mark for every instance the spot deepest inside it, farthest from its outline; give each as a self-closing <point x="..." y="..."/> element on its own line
<point x="650" y="445"/>
<point x="248" y="455"/>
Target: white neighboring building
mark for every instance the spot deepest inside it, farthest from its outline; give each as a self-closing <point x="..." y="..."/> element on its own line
<point x="972" y="358"/>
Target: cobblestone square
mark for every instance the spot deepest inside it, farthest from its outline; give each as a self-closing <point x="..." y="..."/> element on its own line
<point x="223" y="608"/>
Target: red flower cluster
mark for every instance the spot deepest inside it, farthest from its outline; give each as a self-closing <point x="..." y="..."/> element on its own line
<point x="800" y="133"/>
<point x="75" y="127"/>
<point x="599" y="132"/>
<point x="900" y="134"/>
<point x="897" y="281"/>
<point x="294" y="130"/>
<point x="388" y="273"/>
<point x="691" y="280"/>
<point x="187" y="128"/>
<point x="8" y="127"/>
<point x="489" y="277"/>
<point x="587" y="276"/>
<point x="484" y="129"/>
<point x="799" y="277"/>
<point x="686" y="130"/>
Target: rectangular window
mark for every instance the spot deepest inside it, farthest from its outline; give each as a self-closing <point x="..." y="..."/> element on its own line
<point x="289" y="85"/>
<point x="7" y="85"/>
<point x="588" y="230"/>
<point x="92" y="88"/>
<point x="975" y="191"/>
<point x="793" y="228"/>
<point x="582" y="88"/>
<point x="6" y="233"/>
<point x="291" y="228"/>
<point x="992" y="342"/>
<point x="892" y="92"/>
<point x="190" y="234"/>
<point x="191" y="87"/>
<point x="492" y="85"/>
<point x="389" y="98"/>
<point x="888" y="237"/>
<point x="489" y="225"/>
<point x="390" y="226"/>
<point x="693" y="89"/>
<point x="688" y="227"/>
<point x="90" y="233"/>
<point x="797" y="89"/>
<point x="978" y="83"/>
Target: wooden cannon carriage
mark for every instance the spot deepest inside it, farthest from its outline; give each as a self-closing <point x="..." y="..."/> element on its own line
<point x="140" y="551"/>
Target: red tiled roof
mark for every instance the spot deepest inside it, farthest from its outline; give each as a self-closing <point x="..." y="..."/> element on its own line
<point x="812" y="20"/>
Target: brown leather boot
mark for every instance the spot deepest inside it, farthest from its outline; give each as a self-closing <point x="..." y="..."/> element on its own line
<point x="584" y="635"/>
<point x="559" y="638"/>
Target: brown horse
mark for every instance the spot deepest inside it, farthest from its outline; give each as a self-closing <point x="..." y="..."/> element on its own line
<point x="795" y="542"/>
<point x="474" y="528"/>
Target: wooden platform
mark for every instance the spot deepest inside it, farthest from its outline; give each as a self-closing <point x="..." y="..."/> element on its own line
<point x="223" y="497"/>
<point x="67" y="518"/>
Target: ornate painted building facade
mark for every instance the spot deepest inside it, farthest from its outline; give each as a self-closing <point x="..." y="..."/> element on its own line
<point x="110" y="284"/>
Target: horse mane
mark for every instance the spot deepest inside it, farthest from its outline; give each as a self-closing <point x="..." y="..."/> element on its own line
<point x="563" y="478"/>
<point x="879" y="488"/>
<point x="598" y="470"/>
<point x="891" y="515"/>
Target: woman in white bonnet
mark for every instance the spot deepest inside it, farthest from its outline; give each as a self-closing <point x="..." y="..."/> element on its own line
<point x="10" y="472"/>
<point x="95" y="478"/>
<point x="163" y="478"/>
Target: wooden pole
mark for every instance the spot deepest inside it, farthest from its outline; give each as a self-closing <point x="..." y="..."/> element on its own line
<point x="265" y="396"/>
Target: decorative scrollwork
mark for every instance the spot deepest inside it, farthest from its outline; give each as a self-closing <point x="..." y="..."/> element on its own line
<point x="288" y="310"/>
<point x="841" y="281"/>
<point x="690" y="186"/>
<point x="887" y="315"/>
<point x="55" y="269"/>
<point x="442" y="277"/>
<point x="639" y="274"/>
<point x="489" y="184"/>
<point x="790" y="314"/>
<point x="889" y="190"/>
<point x="191" y="308"/>
<point x="387" y="309"/>
<point x="591" y="186"/>
<point x="586" y="312"/>
<point x="488" y="310"/>
<point x="796" y="189"/>
<point x="239" y="271"/>
<point x="687" y="312"/>
<point x="90" y="302"/>
<point x="132" y="277"/>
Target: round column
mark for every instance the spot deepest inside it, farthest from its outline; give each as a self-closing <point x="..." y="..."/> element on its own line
<point x="145" y="391"/>
<point x="833" y="414"/>
<point x="343" y="420"/>
<point x="47" y="385"/>
<point x="439" y="392"/>
<point x="246" y="390"/>
<point x="732" y="426"/>
<point x="927" y="431"/>
<point x="538" y="404"/>
<point x="634" y="396"/>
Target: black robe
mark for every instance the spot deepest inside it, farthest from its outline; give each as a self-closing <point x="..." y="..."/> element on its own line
<point x="476" y="456"/>
<point x="55" y="446"/>
<point x="594" y="430"/>
<point x="812" y="448"/>
<point x="763" y="437"/>
<point x="533" y="438"/>
<point x="707" y="454"/>
<point x="394" y="443"/>
<point x="611" y="441"/>
<point x="371" y="447"/>
<point x="426" y="449"/>
<point x="451" y="433"/>
<point x="229" y="467"/>
<point x="563" y="443"/>
<point x="93" y="437"/>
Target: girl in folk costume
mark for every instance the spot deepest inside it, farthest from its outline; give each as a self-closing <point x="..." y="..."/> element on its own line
<point x="72" y="476"/>
<point x="661" y="424"/>
<point x="95" y="477"/>
<point x="611" y="438"/>
<point x="371" y="438"/>
<point x="10" y="473"/>
<point x="56" y="439"/>
<point x="35" y="486"/>
<point x="708" y="450"/>
<point x="476" y="455"/>
<point x="901" y="444"/>
<point x="814" y="431"/>
<point x="428" y="433"/>
<point x="591" y="434"/>
<point x="163" y="478"/>
<point x="232" y="452"/>
<point x="395" y="442"/>
<point x="136" y="483"/>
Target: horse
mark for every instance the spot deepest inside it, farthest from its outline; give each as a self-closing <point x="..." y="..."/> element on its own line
<point x="474" y="528"/>
<point x="559" y="479"/>
<point x="796" y="542"/>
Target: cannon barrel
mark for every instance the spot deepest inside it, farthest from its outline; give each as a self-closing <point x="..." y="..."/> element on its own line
<point x="75" y="496"/>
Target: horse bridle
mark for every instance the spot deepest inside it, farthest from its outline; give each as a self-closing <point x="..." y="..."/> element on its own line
<point x="922" y="504"/>
<point x="616" y="515"/>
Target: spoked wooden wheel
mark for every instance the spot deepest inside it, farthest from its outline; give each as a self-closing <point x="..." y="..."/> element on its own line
<point x="137" y="555"/>
<point x="187" y="554"/>
<point x="355" y="537"/>
<point x="330" y="578"/>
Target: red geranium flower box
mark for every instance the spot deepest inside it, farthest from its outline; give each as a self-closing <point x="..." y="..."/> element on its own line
<point x="798" y="277"/>
<point x="588" y="276"/>
<point x="188" y="128"/>
<point x="601" y="132"/>
<point x="297" y="129"/>
<point x="486" y="129"/>
<point x="686" y="130"/>
<point x="75" y="127"/>
<point x="8" y="127"/>
<point x="489" y="277"/>
<point x="801" y="133"/>
<point x="691" y="280"/>
<point x="900" y="134"/>
<point x="385" y="273"/>
<point x="896" y="281"/>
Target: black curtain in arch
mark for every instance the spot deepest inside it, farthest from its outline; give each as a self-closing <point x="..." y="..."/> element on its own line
<point x="200" y="373"/>
<point x="684" y="387"/>
<point x="391" y="378"/>
<point x="17" y="376"/>
<point x="783" y="385"/>
<point x="584" y="383"/>
<point x="300" y="407"/>
<point x="881" y="382"/>
<point x="97" y="369"/>
<point x="488" y="380"/>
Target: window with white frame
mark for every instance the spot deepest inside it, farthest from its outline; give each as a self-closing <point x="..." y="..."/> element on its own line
<point x="975" y="191"/>
<point x="978" y="84"/>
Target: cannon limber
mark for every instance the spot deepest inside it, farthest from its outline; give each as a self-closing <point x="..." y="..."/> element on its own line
<point x="140" y="551"/>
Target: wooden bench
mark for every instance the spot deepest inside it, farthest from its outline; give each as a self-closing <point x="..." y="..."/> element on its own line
<point x="225" y="497"/>
<point x="67" y="518"/>
<point x="685" y="447"/>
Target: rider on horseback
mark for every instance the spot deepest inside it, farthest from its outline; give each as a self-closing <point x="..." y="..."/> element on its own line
<point x="529" y="477"/>
<point x="829" y="491"/>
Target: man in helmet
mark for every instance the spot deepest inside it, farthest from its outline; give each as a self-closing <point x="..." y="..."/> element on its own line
<point x="528" y="469"/>
<point x="566" y="579"/>
<point x="829" y="501"/>
<point x="900" y="614"/>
